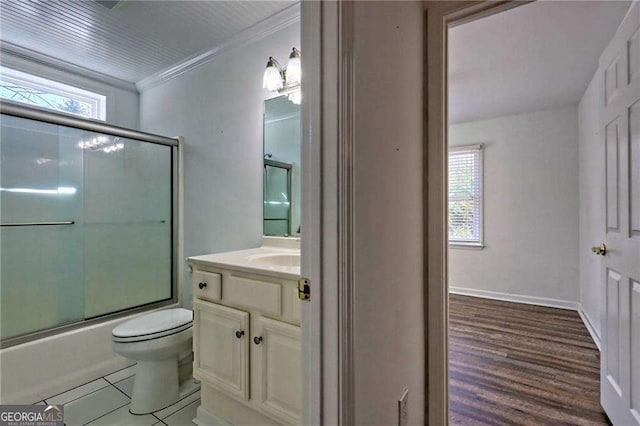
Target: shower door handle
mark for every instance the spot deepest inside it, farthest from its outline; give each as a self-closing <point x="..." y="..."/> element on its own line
<point x="66" y="222"/>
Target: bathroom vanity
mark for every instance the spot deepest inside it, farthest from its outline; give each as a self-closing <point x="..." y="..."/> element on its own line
<point x="247" y="339"/>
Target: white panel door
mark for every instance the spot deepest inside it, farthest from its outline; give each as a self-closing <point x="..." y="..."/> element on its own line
<point x="278" y="356"/>
<point x="620" y="124"/>
<point x="221" y="347"/>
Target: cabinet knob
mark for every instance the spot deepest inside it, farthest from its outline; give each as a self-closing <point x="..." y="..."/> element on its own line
<point x="257" y="340"/>
<point x="202" y="285"/>
<point x="239" y="334"/>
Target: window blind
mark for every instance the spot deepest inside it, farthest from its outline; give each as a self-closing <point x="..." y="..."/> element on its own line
<point x="465" y="194"/>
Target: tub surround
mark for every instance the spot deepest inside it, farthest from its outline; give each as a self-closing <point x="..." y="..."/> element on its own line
<point x="35" y="370"/>
<point x="247" y="336"/>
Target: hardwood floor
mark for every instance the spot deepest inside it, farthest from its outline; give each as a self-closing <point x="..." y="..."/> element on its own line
<point x="517" y="364"/>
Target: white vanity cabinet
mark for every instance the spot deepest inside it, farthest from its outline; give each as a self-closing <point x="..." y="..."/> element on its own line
<point x="247" y="346"/>
<point x="277" y="363"/>
<point x="221" y="347"/>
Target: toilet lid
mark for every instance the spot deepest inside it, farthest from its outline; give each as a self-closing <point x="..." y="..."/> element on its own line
<point x="154" y="323"/>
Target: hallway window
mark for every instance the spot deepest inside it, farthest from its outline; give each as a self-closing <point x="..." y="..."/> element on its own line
<point x="465" y="195"/>
<point x="36" y="91"/>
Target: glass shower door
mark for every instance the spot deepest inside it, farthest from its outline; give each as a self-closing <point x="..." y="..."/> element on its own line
<point x="127" y="223"/>
<point x="41" y="237"/>
<point x="277" y="196"/>
<point x="87" y="226"/>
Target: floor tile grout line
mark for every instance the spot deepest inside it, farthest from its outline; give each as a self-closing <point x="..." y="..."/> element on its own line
<point x="86" y="394"/>
<point x="183" y="398"/>
<point x="121" y="391"/>
<point x="99" y="417"/>
<point x="90" y="381"/>
<point x="76" y="387"/>
<point x="122" y="369"/>
<point x="114" y="383"/>
<point x="181" y="409"/>
<point x="110" y="384"/>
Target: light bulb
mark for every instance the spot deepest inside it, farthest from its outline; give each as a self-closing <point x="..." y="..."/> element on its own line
<point x="272" y="79"/>
<point x="294" y="68"/>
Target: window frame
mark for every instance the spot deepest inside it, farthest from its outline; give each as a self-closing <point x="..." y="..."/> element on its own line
<point x="98" y="101"/>
<point x="478" y="149"/>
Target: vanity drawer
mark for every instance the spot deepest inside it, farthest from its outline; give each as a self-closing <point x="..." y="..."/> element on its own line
<point x="207" y="285"/>
<point x="261" y="295"/>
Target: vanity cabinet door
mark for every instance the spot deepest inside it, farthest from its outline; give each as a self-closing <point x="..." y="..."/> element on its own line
<point x="279" y="381"/>
<point x="221" y="347"/>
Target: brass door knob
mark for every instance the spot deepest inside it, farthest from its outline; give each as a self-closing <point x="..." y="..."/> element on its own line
<point x="600" y="250"/>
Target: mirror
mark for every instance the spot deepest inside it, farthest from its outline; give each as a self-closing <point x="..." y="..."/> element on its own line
<point x="281" y="176"/>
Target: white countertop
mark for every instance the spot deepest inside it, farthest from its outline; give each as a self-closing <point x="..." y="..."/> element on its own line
<point x="241" y="261"/>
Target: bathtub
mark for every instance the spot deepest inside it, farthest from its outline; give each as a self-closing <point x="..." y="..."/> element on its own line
<point x="39" y="369"/>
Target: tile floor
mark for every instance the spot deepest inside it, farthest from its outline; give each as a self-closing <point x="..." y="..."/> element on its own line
<point x="106" y="402"/>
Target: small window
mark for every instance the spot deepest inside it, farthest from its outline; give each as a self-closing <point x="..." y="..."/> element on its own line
<point x="29" y="89"/>
<point x="465" y="196"/>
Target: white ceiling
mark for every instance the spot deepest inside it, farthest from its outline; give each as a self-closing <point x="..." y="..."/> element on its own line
<point x="536" y="56"/>
<point x="132" y="40"/>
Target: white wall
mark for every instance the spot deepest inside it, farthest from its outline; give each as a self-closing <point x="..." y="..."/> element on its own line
<point x="389" y="270"/>
<point x="218" y="108"/>
<point x="122" y="104"/>
<point x="530" y="206"/>
<point x="592" y="202"/>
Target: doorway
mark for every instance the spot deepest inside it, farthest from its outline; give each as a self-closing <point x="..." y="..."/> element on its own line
<point x="478" y="240"/>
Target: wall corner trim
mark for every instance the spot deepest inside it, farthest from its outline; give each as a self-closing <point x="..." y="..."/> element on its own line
<point x="590" y="328"/>
<point x="264" y="28"/>
<point x="533" y="300"/>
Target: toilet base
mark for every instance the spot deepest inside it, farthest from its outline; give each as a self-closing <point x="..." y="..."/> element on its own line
<point x="145" y="402"/>
<point x="159" y="373"/>
<point x="155" y="385"/>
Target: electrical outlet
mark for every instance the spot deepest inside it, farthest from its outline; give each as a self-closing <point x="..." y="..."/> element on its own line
<point x="403" y="409"/>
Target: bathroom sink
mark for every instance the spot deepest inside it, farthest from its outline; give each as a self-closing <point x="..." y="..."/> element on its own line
<point x="291" y="260"/>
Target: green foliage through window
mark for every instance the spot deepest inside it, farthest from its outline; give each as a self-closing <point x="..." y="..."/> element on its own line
<point x="465" y="195"/>
<point x="28" y="89"/>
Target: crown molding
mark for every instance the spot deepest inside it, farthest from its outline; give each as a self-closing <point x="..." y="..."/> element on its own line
<point x="264" y="28"/>
<point x="23" y="53"/>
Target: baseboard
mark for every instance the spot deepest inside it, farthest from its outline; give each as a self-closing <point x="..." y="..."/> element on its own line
<point x="590" y="328"/>
<point x="205" y="418"/>
<point x="533" y="300"/>
<point x="517" y="298"/>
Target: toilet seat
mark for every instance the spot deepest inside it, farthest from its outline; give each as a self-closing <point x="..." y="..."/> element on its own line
<point x="153" y="326"/>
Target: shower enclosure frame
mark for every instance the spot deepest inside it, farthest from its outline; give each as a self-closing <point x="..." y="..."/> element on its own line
<point x="289" y="168"/>
<point x="91" y="125"/>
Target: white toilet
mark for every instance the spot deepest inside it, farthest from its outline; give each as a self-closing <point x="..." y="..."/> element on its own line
<point x="158" y="341"/>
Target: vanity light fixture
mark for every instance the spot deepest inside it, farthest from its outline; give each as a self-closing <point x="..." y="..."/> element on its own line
<point x="274" y="76"/>
<point x="287" y="80"/>
<point x="294" y="68"/>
